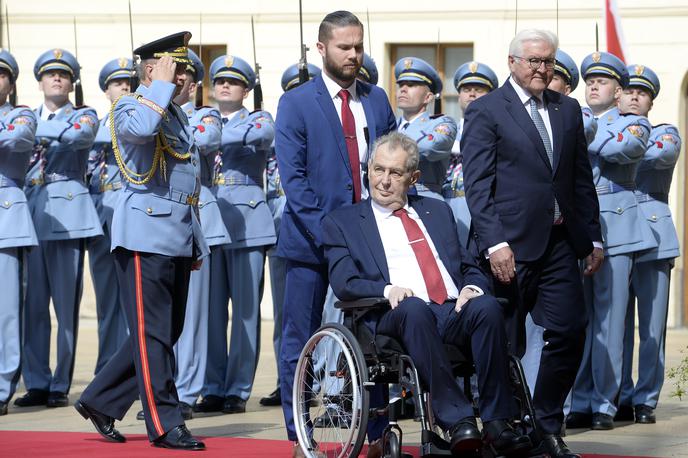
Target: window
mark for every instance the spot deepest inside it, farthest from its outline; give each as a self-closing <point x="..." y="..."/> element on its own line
<point x="209" y="54"/>
<point x="446" y="58"/>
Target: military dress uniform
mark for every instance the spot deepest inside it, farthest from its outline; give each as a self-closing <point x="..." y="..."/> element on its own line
<point x="64" y="217"/>
<point x="237" y="267"/>
<point x="434" y="134"/>
<point x="191" y="350"/>
<point x="17" y="234"/>
<point x="104" y="185"/>
<point x="651" y="268"/>
<point x="615" y="155"/>
<point x="156" y="236"/>
<point x="452" y="188"/>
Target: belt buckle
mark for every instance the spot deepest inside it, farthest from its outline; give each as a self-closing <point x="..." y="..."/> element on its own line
<point x="37" y="181"/>
<point x="192" y="200"/>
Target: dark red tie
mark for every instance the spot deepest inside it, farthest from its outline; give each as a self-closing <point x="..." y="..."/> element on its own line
<point x="426" y="260"/>
<point x="349" y="125"/>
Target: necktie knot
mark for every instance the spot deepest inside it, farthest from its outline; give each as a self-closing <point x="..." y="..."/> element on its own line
<point x="344" y="95"/>
<point x="225" y="120"/>
<point x="51" y="116"/>
<point x="400" y="212"/>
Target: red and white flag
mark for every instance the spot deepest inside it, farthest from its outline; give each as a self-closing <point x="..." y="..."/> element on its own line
<point x="615" y="39"/>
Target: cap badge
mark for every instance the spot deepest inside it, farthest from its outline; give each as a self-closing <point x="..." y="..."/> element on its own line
<point x="57" y="53"/>
<point x="122" y="62"/>
<point x="596" y="57"/>
<point x="473" y="67"/>
<point x="639" y="70"/>
<point x="408" y="63"/>
<point x="229" y="60"/>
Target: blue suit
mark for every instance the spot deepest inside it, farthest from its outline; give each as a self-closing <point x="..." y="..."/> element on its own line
<point x="615" y="155"/>
<point x="17" y="131"/>
<point x="104" y="186"/>
<point x="191" y="350"/>
<point x="435" y="137"/>
<point x="238" y="266"/>
<point x="64" y="216"/>
<point x="317" y="178"/>
<point x="652" y="270"/>
<point x="156" y="234"/>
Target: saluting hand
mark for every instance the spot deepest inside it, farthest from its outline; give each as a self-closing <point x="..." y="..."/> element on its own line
<point x="164" y="69"/>
<point x="503" y="265"/>
<point x="593" y="261"/>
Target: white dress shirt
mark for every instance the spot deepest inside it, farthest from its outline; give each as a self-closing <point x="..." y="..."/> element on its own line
<point x="356" y="106"/>
<point x="404" y="270"/>
<point x="45" y="112"/>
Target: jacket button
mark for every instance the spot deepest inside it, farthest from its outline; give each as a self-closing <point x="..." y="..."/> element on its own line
<point x="619" y="210"/>
<point x="149" y="210"/>
<point x="70" y="195"/>
<point x="105" y="177"/>
<point x="349" y="187"/>
<point x="251" y="202"/>
<point x="653" y="217"/>
<point x="7" y="204"/>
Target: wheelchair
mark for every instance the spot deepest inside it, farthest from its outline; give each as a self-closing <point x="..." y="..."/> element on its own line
<point x="364" y="360"/>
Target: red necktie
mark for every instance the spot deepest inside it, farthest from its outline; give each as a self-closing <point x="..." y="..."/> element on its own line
<point x="426" y="260"/>
<point x="349" y="125"/>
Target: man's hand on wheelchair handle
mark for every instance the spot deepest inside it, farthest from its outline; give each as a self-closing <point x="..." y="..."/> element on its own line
<point x="398" y="294"/>
<point x="503" y="265"/>
<point x="593" y="261"/>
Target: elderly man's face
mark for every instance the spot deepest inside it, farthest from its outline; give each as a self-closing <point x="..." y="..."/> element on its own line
<point x="389" y="179"/>
<point x="534" y="80"/>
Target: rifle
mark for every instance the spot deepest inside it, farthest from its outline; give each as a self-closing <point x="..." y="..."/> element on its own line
<point x="438" y="97"/>
<point x="257" y="89"/>
<point x="13" y="94"/>
<point x="78" y="91"/>
<point x="134" y="80"/>
<point x="198" y="102"/>
<point x="303" y="64"/>
<point x="370" y="43"/>
<point x="597" y="38"/>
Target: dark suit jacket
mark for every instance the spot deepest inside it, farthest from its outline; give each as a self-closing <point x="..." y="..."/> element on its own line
<point x="314" y="162"/>
<point x="356" y="257"/>
<point x="510" y="184"/>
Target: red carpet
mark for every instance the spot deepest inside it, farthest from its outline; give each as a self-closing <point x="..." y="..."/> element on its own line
<point x="37" y="444"/>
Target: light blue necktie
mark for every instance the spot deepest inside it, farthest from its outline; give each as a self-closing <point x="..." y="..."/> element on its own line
<point x="542" y="130"/>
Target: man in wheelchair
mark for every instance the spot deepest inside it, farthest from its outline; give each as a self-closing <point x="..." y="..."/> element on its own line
<point x="405" y="248"/>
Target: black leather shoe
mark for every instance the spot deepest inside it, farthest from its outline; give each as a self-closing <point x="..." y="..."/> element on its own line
<point x="624" y="413"/>
<point x="578" y="420"/>
<point x="465" y="436"/>
<point x="105" y="425"/>
<point x="140" y="415"/>
<point x="3" y="408"/>
<point x="554" y="446"/>
<point x="57" y="399"/>
<point x="210" y="403"/>
<point x="503" y="439"/>
<point x="644" y="414"/>
<point x="272" y="399"/>
<point x="331" y="418"/>
<point x="32" y="398"/>
<point x="234" y="404"/>
<point x="187" y="412"/>
<point x="179" y="438"/>
<point x="602" y="422"/>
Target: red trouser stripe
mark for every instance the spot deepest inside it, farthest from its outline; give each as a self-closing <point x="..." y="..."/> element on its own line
<point x="142" y="348"/>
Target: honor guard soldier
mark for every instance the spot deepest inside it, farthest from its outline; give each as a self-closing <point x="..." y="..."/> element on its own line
<point x="368" y="72"/>
<point x="157" y="241"/>
<point x="237" y="267"/>
<point x="64" y="217"/>
<point x="417" y="86"/>
<point x="276" y="201"/>
<point x="615" y="154"/>
<point x="17" y="133"/>
<point x="105" y="183"/>
<point x="651" y="268"/>
<point x="472" y="80"/>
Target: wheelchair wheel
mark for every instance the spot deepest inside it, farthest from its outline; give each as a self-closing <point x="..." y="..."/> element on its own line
<point x="392" y="448"/>
<point x="337" y="421"/>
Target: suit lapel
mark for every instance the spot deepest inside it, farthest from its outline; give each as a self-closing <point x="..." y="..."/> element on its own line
<point x="330" y="112"/>
<point x="553" y="101"/>
<point x="523" y="120"/>
<point x="371" y="234"/>
<point x="434" y="231"/>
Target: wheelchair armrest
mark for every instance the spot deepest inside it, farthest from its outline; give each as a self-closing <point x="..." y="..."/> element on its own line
<point x="362" y="304"/>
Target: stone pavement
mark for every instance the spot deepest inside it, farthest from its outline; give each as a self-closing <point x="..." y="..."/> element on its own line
<point x="667" y="438"/>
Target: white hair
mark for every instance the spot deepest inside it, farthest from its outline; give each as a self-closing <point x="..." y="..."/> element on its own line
<point x="516" y="45"/>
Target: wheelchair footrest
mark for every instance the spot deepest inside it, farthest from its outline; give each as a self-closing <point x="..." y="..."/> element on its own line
<point x="432" y="445"/>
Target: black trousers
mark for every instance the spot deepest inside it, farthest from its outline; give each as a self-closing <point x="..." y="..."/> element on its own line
<point x="153" y="290"/>
<point x="551" y="290"/>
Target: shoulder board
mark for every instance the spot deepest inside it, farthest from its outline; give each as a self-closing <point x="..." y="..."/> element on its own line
<point x="255" y="111"/>
<point x="82" y="107"/>
<point x="22" y="106"/>
<point x="435" y="116"/>
<point x="662" y="125"/>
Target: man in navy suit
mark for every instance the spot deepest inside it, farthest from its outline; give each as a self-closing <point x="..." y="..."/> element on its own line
<point x="322" y="134"/>
<point x="535" y="214"/>
<point x="407" y="249"/>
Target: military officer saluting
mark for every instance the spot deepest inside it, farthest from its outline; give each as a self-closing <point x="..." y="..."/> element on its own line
<point x="472" y="80"/>
<point x="417" y="85"/>
<point x="615" y="154"/>
<point x="651" y="268"/>
<point x="104" y="185"/>
<point x="237" y="267"/>
<point x="156" y="240"/>
<point x="64" y="217"/>
<point x="17" y="133"/>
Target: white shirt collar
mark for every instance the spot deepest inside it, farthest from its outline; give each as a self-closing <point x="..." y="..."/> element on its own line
<point x="381" y="212"/>
<point x="410" y="121"/>
<point x="333" y="87"/>
<point x="45" y="111"/>
<point x="522" y="93"/>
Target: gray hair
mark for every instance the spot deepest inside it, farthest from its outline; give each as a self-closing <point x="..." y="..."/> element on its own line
<point x="516" y="45"/>
<point x="397" y="140"/>
<point x="140" y="68"/>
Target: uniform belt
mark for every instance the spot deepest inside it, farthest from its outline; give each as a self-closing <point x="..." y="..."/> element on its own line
<point x="54" y="177"/>
<point x="642" y="197"/>
<point x="7" y="182"/>
<point x="178" y="196"/>
<point x="114" y="186"/>
<point x="613" y="188"/>
<point x="452" y="193"/>
<point x="275" y="194"/>
<point x="238" y="180"/>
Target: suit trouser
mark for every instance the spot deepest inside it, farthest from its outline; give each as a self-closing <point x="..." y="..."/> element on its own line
<point x="236" y="273"/>
<point x="153" y="289"/>
<point x="599" y="377"/>
<point x="12" y="274"/>
<point x="650" y="286"/>
<point x="112" y="324"/>
<point x="55" y="271"/>
<point x="278" y="273"/>
<point x="550" y="289"/>
<point x="191" y="350"/>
